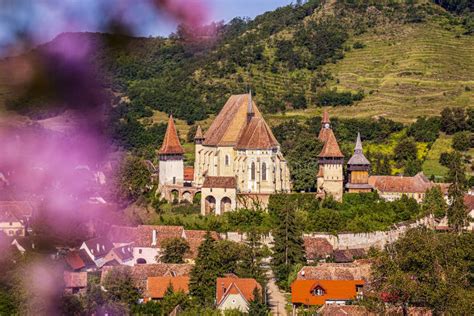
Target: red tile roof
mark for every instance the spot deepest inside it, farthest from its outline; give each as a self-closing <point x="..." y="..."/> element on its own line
<point x="358" y="270"/>
<point x="157" y="286"/>
<point x="257" y="135"/>
<point x="325" y="118"/>
<point x="469" y="202"/>
<point x="232" y="285"/>
<point x="171" y="144"/>
<point x="317" y="248"/>
<point x="219" y="182"/>
<point x="144" y="235"/>
<point x="188" y="173"/>
<point x="194" y="239"/>
<point x="400" y="184"/>
<point x="75" y="279"/>
<point x="74" y="260"/>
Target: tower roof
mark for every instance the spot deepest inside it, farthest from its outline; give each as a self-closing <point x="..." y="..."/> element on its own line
<point x="171" y="144"/>
<point x="358" y="157"/>
<point x="257" y="135"/>
<point x="325" y="117"/>
<point x="250" y="104"/>
<point x="198" y="134"/>
<point x="331" y="148"/>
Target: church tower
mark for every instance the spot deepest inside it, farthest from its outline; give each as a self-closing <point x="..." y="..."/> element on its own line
<point x="331" y="160"/>
<point x="198" y="140"/>
<point x="358" y="170"/>
<point x="171" y="166"/>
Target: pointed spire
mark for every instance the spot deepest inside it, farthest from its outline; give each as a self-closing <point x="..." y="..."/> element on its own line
<point x="198" y="137"/>
<point x="358" y="146"/>
<point x="325" y="117"/>
<point x="171" y="144"/>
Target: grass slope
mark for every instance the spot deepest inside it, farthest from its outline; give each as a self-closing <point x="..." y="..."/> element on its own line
<point x="406" y="71"/>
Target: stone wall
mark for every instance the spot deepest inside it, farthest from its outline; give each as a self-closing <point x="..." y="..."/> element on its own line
<point x="376" y="239"/>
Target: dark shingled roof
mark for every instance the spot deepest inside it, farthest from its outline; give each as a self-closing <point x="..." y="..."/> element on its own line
<point x="317" y="248"/>
<point x="220" y="182"/>
<point x="171" y="144"/>
<point x="99" y="247"/>
<point x="358" y="158"/>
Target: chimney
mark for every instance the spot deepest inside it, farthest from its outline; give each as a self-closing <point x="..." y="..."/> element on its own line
<point x="153" y="238"/>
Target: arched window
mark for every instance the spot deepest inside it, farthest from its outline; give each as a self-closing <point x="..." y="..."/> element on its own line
<point x="226" y="160"/>
<point x="264" y="171"/>
<point x="252" y="171"/>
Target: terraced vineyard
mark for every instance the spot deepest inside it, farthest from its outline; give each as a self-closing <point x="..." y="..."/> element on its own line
<point x="406" y="71"/>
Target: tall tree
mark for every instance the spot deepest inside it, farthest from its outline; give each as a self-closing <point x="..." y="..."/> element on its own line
<point x="174" y="250"/>
<point x="203" y="275"/>
<point x="457" y="212"/>
<point x="434" y="203"/>
<point x="120" y="287"/>
<point x="288" y="240"/>
<point x="250" y="265"/>
<point x="257" y="306"/>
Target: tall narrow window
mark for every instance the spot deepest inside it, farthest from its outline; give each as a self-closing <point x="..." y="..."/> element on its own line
<point x="252" y="171"/>
<point x="264" y="171"/>
<point x="226" y="160"/>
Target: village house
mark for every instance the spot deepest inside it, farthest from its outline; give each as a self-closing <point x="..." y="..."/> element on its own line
<point x="75" y="282"/>
<point x="156" y="286"/>
<point x="235" y="293"/>
<point x="391" y="188"/>
<point x="97" y="249"/>
<point x="146" y="241"/>
<point x="141" y="273"/>
<point x="15" y="217"/>
<point x="79" y="260"/>
<point x="330" y="283"/>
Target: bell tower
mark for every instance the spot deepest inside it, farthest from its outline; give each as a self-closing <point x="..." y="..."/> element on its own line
<point x="171" y="163"/>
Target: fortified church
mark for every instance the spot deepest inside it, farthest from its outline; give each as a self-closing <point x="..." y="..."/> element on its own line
<point x="238" y="162"/>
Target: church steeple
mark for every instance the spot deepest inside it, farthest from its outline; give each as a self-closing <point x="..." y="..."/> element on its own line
<point x="171" y="144"/>
<point x="250" y="112"/>
<point x="358" y="146"/>
<point x="358" y="168"/>
<point x="325" y="122"/>
<point x="198" y="137"/>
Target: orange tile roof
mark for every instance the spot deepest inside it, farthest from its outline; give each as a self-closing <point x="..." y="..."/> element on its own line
<point x="188" y="173"/>
<point x="171" y="144"/>
<point x="157" y="286"/>
<point x="257" y="135"/>
<point x="401" y="184"/>
<point x="325" y="118"/>
<point x="219" y="182"/>
<point x="301" y="291"/>
<point x="229" y="124"/>
<point x="331" y="147"/>
<point x="234" y="285"/>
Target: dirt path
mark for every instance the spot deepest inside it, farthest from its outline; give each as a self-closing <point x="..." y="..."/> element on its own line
<point x="276" y="298"/>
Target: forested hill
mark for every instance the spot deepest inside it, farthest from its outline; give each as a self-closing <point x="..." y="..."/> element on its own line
<point x="394" y="58"/>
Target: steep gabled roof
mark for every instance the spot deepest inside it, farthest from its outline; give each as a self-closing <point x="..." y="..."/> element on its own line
<point x="171" y="144"/>
<point x="233" y="285"/>
<point x="198" y="134"/>
<point x="317" y="248"/>
<point x="331" y="147"/>
<point x="231" y="121"/>
<point x="99" y="246"/>
<point x="257" y="135"/>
